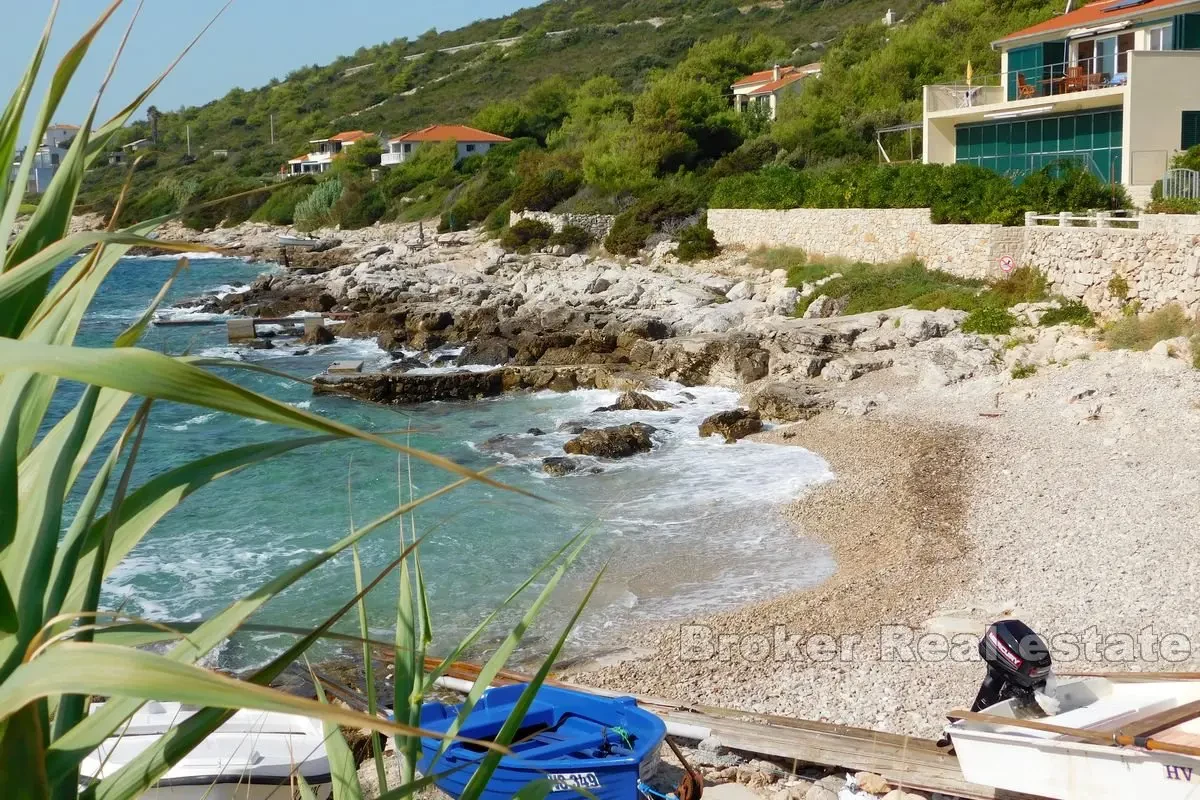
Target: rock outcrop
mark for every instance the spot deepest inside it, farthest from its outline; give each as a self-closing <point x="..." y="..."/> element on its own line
<point x="559" y="466"/>
<point x="636" y="401"/>
<point x="789" y="402"/>
<point x="733" y="425"/>
<point x="616" y="441"/>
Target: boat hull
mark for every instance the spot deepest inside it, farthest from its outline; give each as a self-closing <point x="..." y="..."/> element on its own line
<point x="1049" y="764"/>
<point x="602" y="746"/>
<point x="231" y="791"/>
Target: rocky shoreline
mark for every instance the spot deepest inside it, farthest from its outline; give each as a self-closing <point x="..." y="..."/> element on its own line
<point x="958" y="484"/>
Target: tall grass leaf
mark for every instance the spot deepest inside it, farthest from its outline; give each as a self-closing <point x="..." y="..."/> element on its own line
<point x="511" y="725"/>
<point x="50" y="219"/>
<point x="100" y="669"/>
<point x="90" y="733"/>
<point x="158" y="757"/>
<point x="507" y="647"/>
<point x="38" y="528"/>
<point x="10" y="121"/>
<point x="305" y="791"/>
<point x="100" y="139"/>
<point x="342" y="768"/>
<point x="130" y="336"/>
<point x="368" y="667"/>
<point x="22" y="744"/>
<point x="154" y="375"/>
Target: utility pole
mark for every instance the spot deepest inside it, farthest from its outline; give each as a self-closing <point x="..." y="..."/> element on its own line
<point x="272" y="129"/>
<point x="189" y="139"/>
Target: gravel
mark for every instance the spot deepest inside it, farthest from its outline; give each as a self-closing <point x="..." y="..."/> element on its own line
<point x="1069" y="499"/>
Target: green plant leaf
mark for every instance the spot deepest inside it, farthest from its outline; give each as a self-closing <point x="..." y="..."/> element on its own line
<point x="342" y="768"/>
<point x="154" y="375"/>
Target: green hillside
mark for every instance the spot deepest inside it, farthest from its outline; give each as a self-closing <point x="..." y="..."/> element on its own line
<point x="619" y="97"/>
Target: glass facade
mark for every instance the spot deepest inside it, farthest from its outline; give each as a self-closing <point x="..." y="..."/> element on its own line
<point x="1020" y="146"/>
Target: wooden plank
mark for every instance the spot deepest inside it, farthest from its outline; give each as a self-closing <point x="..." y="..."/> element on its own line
<point x="1167" y="718"/>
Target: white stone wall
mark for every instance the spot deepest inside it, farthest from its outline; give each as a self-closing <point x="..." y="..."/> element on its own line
<point x="1160" y="262"/>
<point x="598" y="225"/>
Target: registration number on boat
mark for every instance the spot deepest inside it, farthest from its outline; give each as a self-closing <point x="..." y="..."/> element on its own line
<point x="565" y="781"/>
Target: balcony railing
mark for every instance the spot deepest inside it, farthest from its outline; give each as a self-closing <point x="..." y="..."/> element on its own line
<point x="1049" y="80"/>
<point x="390" y="159"/>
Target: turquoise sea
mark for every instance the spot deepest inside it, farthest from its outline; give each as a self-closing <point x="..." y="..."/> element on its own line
<point x="691" y="527"/>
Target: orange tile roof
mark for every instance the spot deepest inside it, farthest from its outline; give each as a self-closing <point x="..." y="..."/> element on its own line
<point x="766" y="75"/>
<point x="1093" y="13"/>
<point x="445" y="133"/>
<point x="786" y="80"/>
<point x="349" y="136"/>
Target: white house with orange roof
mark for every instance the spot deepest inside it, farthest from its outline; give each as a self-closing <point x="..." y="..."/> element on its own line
<point x="765" y="89"/>
<point x="1113" y="85"/>
<point x="471" y="142"/>
<point x="321" y="157"/>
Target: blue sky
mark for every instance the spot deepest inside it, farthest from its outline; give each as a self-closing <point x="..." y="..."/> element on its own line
<point x="254" y="41"/>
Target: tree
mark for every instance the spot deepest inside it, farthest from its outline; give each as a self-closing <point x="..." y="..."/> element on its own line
<point x="360" y="157"/>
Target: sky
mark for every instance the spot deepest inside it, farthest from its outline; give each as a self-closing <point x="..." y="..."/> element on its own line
<point x="252" y="42"/>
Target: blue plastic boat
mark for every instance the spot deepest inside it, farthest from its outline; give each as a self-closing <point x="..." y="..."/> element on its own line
<point x="577" y="740"/>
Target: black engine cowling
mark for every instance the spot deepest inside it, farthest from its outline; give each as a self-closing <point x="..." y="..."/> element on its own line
<point x="1018" y="664"/>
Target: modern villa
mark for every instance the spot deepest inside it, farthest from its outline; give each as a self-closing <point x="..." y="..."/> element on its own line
<point x="322" y="155"/>
<point x="47" y="158"/>
<point x="471" y="141"/>
<point x="1114" y="84"/>
<point x="765" y="89"/>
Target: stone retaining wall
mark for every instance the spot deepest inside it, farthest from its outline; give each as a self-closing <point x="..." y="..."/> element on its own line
<point x="598" y="225"/>
<point x="1160" y="262"/>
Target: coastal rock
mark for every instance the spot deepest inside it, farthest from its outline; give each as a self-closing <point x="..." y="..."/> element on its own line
<point x="559" y="466"/>
<point x="785" y="402"/>
<point x="636" y="401"/>
<point x="617" y="441"/>
<point x="826" y="306"/>
<point x="855" y="365"/>
<point x="819" y="792"/>
<point x="733" y="425"/>
<point x="485" y="351"/>
<point x="536" y="432"/>
<point x="901" y="794"/>
<point x="319" y="335"/>
<point x="325" y="245"/>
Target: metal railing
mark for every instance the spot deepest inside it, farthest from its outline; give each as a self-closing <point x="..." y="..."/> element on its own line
<point x="1047" y="80"/>
<point x="1181" y="184"/>
<point x="388" y="159"/>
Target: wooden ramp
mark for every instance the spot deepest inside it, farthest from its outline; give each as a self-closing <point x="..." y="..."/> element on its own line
<point x="905" y="761"/>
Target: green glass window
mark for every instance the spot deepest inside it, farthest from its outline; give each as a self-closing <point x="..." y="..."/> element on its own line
<point x="1189" y="135"/>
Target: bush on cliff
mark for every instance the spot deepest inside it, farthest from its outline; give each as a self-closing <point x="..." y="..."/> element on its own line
<point x="280" y="207"/>
<point x="313" y="211"/>
<point x="961" y="193"/>
<point x="990" y="320"/>
<point x="697" y="242"/>
<point x="526" y="236"/>
<point x="573" y="237"/>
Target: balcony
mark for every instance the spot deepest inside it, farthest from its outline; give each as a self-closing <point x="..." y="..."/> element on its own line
<point x="1048" y="82"/>
<point x="391" y="159"/>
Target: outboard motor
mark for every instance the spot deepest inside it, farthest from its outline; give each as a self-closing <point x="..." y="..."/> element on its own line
<point x="1018" y="664"/>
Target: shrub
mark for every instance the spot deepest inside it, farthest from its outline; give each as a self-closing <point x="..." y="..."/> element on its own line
<point x="280" y="206"/>
<point x="1133" y="332"/>
<point x="313" y="211"/>
<point x="696" y="242"/>
<point x="773" y="258"/>
<point x="628" y="235"/>
<point x="1022" y="285"/>
<point x="1020" y="371"/>
<point x="358" y="207"/>
<point x="545" y="181"/>
<point x="961" y="299"/>
<point x="1174" y="205"/>
<point x="526" y="236"/>
<point x="873" y="287"/>
<point x="1072" y="312"/>
<point x="990" y="320"/>
<point x="572" y="236"/>
<point x="750" y="156"/>
<point x="1118" y="287"/>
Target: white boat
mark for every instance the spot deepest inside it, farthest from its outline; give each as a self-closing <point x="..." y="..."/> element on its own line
<point x="253" y="756"/>
<point x="297" y="241"/>
<point x="1111" y="737"/>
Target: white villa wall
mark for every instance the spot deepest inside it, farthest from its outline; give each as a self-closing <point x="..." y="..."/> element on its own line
<point x="1161" y="86"/>
<point x="1160" y="262"/>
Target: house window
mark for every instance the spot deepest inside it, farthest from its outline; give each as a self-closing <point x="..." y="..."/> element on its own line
<point x="407" y="147"/>
<point x="470" y="148"/>
<point x="1160" y="38"/>
<point x="1190" y="134"/>
<point x="1105" y="56"/>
